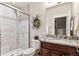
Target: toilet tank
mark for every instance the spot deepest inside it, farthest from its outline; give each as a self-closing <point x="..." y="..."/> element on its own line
<point x="35" y="44"/>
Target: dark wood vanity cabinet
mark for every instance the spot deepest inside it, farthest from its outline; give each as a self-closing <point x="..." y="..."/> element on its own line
<point x="56" y="53"/>
<point x="50" y="49"/>
<point x="46" y="52"/>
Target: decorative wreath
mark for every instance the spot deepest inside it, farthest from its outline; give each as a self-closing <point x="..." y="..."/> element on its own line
<point x="36" y="23"/>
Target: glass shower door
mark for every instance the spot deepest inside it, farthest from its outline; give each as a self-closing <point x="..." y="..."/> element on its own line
<point x="14" y="31"/>
<point x="8" y="28"/>
<point x="23" y="32"/>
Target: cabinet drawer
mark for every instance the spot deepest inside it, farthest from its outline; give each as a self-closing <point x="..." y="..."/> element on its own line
<point x="64" y="48"/>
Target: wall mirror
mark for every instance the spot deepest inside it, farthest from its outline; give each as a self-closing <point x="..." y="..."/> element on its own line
<point x="58" y="21"/>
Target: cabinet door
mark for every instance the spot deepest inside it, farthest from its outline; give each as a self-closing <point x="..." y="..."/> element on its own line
<point x="56" y="53"/>
<point x="45" y="52"/>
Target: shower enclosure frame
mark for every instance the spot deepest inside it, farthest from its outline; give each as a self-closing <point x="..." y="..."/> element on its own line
<point x="17" y="9"/>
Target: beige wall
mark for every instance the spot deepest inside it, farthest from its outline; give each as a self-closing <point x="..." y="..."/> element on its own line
<point x="37" y="9"/>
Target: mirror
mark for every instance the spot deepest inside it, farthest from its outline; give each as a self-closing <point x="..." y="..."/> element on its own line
<point x="58" y="20"/>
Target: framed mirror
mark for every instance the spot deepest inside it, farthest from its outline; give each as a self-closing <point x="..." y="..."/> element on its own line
<point x="58" y="20"/>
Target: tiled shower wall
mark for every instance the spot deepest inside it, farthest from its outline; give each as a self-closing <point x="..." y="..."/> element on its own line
<point x="23" y="31"/>
<point x="8" y="29"/>
<point x="13" y="30"/>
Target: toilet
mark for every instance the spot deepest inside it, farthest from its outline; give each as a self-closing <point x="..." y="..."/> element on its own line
<point x="35" y="45"/>
<point x="29" y="52"/>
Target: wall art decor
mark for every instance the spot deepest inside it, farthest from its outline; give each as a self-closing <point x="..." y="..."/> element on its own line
<point x="36" y="22"/>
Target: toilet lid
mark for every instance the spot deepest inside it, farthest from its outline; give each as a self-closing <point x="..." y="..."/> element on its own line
<point x="29" y="51"/>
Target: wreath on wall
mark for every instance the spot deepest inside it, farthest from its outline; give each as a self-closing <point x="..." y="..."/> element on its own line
<point x="36" y="22"/>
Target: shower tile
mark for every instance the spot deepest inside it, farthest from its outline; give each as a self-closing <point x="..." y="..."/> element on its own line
<point x="8" y="35"/>
<point x="23" y="40"/>
<point x="20" y="35"/>
<point x="4" y="49"/>
<point x="23" y="27"/>
<point x="9" y="38"/>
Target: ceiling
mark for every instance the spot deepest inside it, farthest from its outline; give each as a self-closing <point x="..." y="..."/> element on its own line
<point x="24" y="5"/>
<point x="20" y="5"/>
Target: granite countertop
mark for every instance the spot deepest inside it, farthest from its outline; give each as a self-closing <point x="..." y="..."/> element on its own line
<point x="74" y="43"/>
